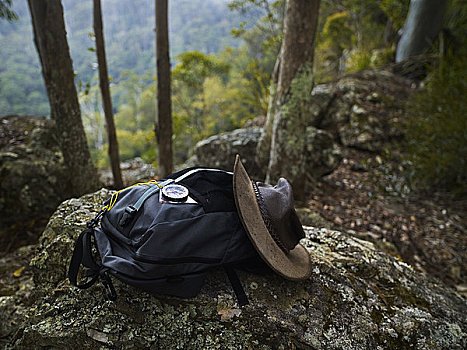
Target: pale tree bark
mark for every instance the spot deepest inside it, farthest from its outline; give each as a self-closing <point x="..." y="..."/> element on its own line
<point x="106" y="98"/>
<point x="264" y="145"/>
<point x="283" y="141"/>
<point x="423" y="24"/>
<point x="57" y="70"/>
<point x="164" y="105"/>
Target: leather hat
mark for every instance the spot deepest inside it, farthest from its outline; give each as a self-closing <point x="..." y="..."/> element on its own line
<point x="268" y="215"/>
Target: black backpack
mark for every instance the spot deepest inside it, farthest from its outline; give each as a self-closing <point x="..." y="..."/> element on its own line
<point x="164" y="237"/>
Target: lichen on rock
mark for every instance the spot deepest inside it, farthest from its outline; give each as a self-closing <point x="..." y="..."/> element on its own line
<point x="32" y="174"/>
<point x="357" y="297"/>
<point x="219" y="151"/>
<point x="362" y="110"/>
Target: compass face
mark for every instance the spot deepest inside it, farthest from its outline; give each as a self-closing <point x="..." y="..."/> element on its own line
<point x="176" y="193"/>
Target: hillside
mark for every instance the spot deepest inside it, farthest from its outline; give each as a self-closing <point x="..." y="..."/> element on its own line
<point x="201" y="25"/>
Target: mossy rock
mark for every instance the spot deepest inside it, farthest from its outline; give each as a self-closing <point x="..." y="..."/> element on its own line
<point x="218" y="151"/>
<point x="356" y="298"/>
<point x="362" y="110"/>
<point x="32" y="175"/>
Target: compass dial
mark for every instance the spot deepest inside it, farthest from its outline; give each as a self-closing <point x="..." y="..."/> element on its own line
<point x="176" y="193"/>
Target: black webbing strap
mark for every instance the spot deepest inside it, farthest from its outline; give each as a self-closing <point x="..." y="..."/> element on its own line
<point x="108" y="285"/>
<point x="236" y="285"/>
<point x="82" y="255"/>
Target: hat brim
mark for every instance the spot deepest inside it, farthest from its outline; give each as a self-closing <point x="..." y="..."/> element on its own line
<point x="295" y="264"/>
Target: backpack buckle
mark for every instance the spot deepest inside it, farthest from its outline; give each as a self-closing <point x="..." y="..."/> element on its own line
<point x="128" y="215"/>
<point x="94" y="221"/>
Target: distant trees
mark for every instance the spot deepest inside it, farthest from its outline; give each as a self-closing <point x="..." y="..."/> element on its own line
<point x="282" y="145"/>
<point x="423" y="24"/>
<point x="57" y="70"/>
<point x="106" y="98"/>
<point x="212" y="93"/>
<point x="164" y="103"/>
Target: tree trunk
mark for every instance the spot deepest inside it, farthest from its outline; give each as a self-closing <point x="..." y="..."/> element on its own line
<point x="423" y="24"/>
<point x="106" y="99"/>
<point x="264" y="145"/>
<point x="57" y="70"/>
<point x="164" y="107"/>
<point x="290" y="104"/>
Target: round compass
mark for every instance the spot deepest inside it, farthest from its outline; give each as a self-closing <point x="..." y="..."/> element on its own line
<point x="175" y="193"/>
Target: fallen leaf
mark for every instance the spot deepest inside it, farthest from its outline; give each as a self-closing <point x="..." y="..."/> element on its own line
<point x="19" y="271"/>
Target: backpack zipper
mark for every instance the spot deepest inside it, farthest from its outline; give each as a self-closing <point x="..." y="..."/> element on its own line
<point x="174" y="261"/>
<point x="132" y="210"/>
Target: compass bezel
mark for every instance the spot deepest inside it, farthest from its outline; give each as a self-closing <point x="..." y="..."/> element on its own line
<point x="181" y="196"/>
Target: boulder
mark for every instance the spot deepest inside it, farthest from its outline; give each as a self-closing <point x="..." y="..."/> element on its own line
<point x="322" y="155"/>
<point x="312" y="218"/>
<point x="356" y="298"/>
<point x="219" y="151"/>
<point x="362" y="110"/>
<point x="133" y="171"/>
<point x="31" y="169"/>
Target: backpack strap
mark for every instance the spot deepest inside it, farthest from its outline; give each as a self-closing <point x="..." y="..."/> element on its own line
<point x="236" y="285"/>
<point x="82" y="255"/>
<point x="131" y="210"/>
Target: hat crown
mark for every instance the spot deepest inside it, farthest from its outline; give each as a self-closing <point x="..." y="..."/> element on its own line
<point x="279" y="204"/>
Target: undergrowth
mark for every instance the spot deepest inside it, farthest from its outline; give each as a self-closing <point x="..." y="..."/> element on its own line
<point x="436" y="130"/>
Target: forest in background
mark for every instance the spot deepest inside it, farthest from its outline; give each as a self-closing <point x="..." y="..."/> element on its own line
<point x="223" y="55"/>
<point x="130" y="44"/>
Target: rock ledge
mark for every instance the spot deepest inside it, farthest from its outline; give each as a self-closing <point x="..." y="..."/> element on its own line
<point x="356" y="298"/>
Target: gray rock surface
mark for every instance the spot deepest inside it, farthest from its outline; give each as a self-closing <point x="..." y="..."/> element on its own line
<point x="133" y="171"/>
<point x="356" y="298"/>
<point x="363" y="110"/>
<point x="322" y="154"/>
<point x="31" y="169"/>
<point x="219" y="151"/>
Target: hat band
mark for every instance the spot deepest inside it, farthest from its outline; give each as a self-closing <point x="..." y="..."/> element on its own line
<point x="267" y="219"/>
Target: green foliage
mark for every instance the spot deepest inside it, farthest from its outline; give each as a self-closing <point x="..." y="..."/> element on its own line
<point x="437" y="120"/>
<point x="271" y="13"/>
<point x="264" y="36"/>
<point x="6" y="12"/>
<point x="202" y="25"/>
<point x="200" y="100"/>
<point x="337" y="32"/>
<point x="134" y="119"/>
<point x="359" y="60"/>
<point x="137" y="144"/>
<point x="456" y="24"/>
<point x="213" y="94"/>
<point x="355" y="35"/>
<point x="334" y="38"/>
<point x="396" y="11"/>
<point x="437" y="129"/>
<point x="189" y="77"/>
<point x="194" y="67"/>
